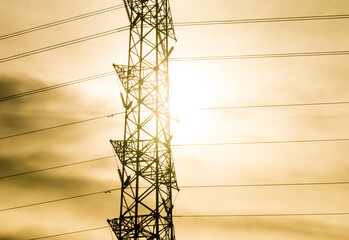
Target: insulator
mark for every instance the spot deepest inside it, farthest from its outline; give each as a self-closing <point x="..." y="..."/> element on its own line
<point x="128" y="13"/>
<point x="120" y="175"/>
<point x="170" y="139"/>
<point x="136" y="19"/>
<point x="169" y="52"/>
<point x="123" y="100"/>
<point x="127" y="181"/>
<point x="129" y="105"/>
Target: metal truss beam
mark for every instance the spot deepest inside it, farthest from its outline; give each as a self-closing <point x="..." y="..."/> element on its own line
<point x="147" y="174"/>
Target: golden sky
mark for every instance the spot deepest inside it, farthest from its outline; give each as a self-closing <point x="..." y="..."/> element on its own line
<point x="196" y="84"/>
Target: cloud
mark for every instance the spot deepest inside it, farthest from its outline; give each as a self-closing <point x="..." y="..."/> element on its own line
<point x="264" y="228"/>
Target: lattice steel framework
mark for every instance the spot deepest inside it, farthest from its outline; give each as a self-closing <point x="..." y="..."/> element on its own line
<point x="147" y="173"/>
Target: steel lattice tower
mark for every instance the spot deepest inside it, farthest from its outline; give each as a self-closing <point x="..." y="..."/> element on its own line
<point x="147" y="173"/>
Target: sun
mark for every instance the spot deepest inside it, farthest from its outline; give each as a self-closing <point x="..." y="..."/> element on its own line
<point x="189" y="91"/>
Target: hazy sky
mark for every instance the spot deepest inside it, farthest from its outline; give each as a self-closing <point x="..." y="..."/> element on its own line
<point x="196" y="84"/>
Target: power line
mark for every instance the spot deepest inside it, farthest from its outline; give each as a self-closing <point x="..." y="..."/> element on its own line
<point x="262" y="20"/>
<point x="261" y="215"/>
<point x="111" y="73"/>
<point x="179" y="24"/>
<point x="276" y="105"/>
<point x="215" y="216"/>
<point x="60" y="199"/>
<point x="265" y="185"/>
<point x="261" y="142"/>
<point x="265" y="55"/>
<point x="59" y="22"/>
<point x="206" y="58"/>
<point x="69" y="233"/>
<point x="209" y="108"/>
<point x="56" y="167"/>
<point x="109" y="32"/>
<point x="58" y="126"/>
<point x="185" y="186"/>
<point x="188" y="186"/>
<point x="63" y="44"/>
<point x="52" y="87"/>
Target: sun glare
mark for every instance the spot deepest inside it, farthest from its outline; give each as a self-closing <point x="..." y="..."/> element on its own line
<point x="190" y="91"/>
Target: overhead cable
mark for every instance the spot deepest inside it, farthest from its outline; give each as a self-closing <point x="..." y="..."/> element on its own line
<point x="111" y="73"/>
<point x="105" y="33"/>
<point x="259" y="142"/>
<point x="262" y="20"/>
<point x="63" y="44"/>
<point x="59" y="22"/>
<point x="264" y="55"/>
<point x="276" y="105"/>
<point x="214" y="216"/>
<point x="52" y="87"/>
<point x="55" y="167"/>
<point x="69" y="233"/>
<point x="59" y="126"/>
<point x="180" y="24"/>
<point x="181" y="187"/>
<point x="60" y="199"/>
<point x="210" y="108"/>
<point x="261" y="215"/>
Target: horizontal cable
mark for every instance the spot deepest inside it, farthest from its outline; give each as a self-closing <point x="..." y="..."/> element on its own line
<point x="69" y="233"/>
<point x="276" y="105"/>
<point x="63" y="44"/>
<point x="59" y="22"/>
<point x="56" y="167"/>
<point x="260" y="215"/>
<point x="59" y="126"/>
<point x="52" y="87"/>
<point x="105" y="33"/>
<point x="214" y="216"/>
<point x="188" y="187"/>
<point x="262" y="20"/>
<point x="185" y="186"/>
<point x="179" y="24"/>
<point x="265" y="55"/>
<point x="260" y="142"/>
<point x="111" y="73"/>
<point x="209" y="108"/>
<point x="266" y="185"/>
<point x="60" y="199"/>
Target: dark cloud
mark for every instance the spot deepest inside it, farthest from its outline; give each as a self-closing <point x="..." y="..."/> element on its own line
<point x="10" y="85"/>
<point x="60" y="180"/>
<point x="55" y="184"/>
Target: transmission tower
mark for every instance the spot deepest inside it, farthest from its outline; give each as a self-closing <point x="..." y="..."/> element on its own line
<point x="147" y="171"/>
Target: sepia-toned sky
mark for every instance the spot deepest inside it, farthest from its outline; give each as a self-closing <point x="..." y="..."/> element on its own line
<point x="195" y="84"/>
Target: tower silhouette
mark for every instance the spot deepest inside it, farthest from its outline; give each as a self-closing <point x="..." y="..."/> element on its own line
<point x="147" y="171"/>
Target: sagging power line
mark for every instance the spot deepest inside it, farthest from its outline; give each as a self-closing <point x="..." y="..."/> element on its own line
<point x="180" y="24"/>
<point x="204" y="58"/>
<point x="63" y="44"/>
<point x="213" y="216"/>
<point x="262" y="20"/>
<point x="62" y="125"/>
<point x="55" y="86"/>
<point x="202" y="23"/>
<point x="55" y="167"/>
<point x="263" y="55"/>
<point x="209" y="108"/>
<point x="184" y="187"/>
<point x="62" y="21"/>
<point x="261" y="142"/>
